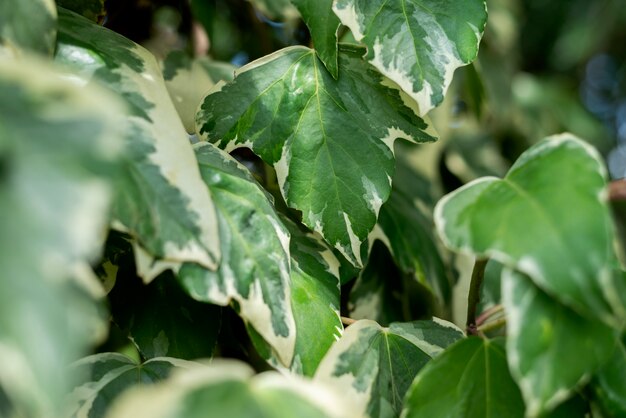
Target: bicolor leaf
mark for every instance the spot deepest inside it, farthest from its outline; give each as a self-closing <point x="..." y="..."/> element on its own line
<point x="254" y="272"/>
<point x="417" y="43"/>
<point x="330" y="141"/>
<point x="473" y="381"/>
<point x="527" y="222"/>
<point x="162" y="201"/>
<point x="551" y="349"/>
<point x="374" y="366"/>
<point x="28" y="25"/>
<point x="106" y="376"/>
<point x="323" y="25"/>
<point x="60" y="144"/>
<point x="229" y="389"/>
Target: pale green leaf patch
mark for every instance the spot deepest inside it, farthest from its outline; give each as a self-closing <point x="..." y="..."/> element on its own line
<point x="374" y="366"/>
<point x="330" y="141"/>
<point x="28" y="25"/>
<point x="255" y="271"/>
<point x="161" y="200"/>
<point x="549" y="219"/>
<point x="417" y="43"/>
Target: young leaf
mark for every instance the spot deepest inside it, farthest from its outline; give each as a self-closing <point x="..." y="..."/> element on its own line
<point x="254" y="272"/>
<point x="551" y="349"/>
<point x="229" y="389"/>
<point x="187" y="81"/>
<point x="323" y="25"/>
<point x="314" y="301"/>
<point x="28" y="25"/>
<point x="162" y="201"/>
<point x="608" y="385"/>
<point x="107" y="375"/>
<point x="59" y="151"/>
<point x="417" y="43"/>
<point x="374" y="366"/>
<point x="473" y="381"/>
<point x="330" y="141"/>
<point x="521" y="222"/>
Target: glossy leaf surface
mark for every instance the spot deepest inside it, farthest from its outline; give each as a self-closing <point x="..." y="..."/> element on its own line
<point x="161" y="200"/>
<point x="520" y="221"/>
<point x="473" y="381"/>
<point x="255" y="267"/>
<point x="417" y="43"/>
<point x="330" y="141"/>
<point x="374" y="366"/>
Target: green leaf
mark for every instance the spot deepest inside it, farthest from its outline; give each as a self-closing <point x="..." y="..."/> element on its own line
<point x="323" y="25"/>
<point x="254" y="272"/>
<point x="276" y="9"/>
<point x="608" y="384"/>
<point x="28" y="25"/>
<point x="162" y="320"/>
<point x="59" y="151"/>
<point x="161" y="201"/>
<point x="551" y="349"/>
<point x="91" y="9"/>
<point x="473" y="381"/>
<point x="417" y="43"/>
<point x="330" y="141"/>
<point x="229" y="389"/>
<point x="189" y="79"/>
<point x="374" y="366"/>
<point x="105" y="376"/>
<point x="314" y="294"/>
<point x="520" y="221"/>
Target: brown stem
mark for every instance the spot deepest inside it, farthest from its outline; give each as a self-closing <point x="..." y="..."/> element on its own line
<point x="617" y="190"/>
<point x="488" y="313"/>
<point x="478" y="274"/>
<point x="347" y="321"/>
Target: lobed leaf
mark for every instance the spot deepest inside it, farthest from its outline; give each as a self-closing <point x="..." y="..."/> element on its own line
<point x="161" y="199"/>
<point x="330" y="141"/>
<point x="374" y="366"/>
<point x="417" y="43"/>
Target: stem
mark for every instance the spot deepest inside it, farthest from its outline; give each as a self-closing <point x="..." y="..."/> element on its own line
<point x="483" y="317"/>
<point x="347" y="321"/>
<point x="490" y="326"/>
<point x="478" y="274"/>
<point x="617" y="190"/>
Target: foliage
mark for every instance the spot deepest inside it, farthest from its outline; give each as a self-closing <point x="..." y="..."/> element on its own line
<point x="239" y="233"/>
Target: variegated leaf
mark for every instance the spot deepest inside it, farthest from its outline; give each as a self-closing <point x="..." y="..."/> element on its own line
<point x="374" y="366"/>
<point x="28" y="25"/>
<point x="551" y="350"/>
<point x="417" y="43"/>
<point x="161" y="200"/>
<point x="314" y="301"/>
<point x="230" y="389"/>
<point x="254" y="272"/>
<point x="330" y="141"/>
<point x="188" y="80"/>
<point x="105" y="376"/>
<point x="522" y="222"/>
<point x="59" y="147"/>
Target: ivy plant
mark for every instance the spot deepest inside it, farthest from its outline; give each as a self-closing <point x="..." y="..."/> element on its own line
<point x="187" y="237"/>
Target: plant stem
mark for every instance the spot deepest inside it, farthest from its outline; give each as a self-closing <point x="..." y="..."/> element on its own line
<point x="490" y="326"/>
<point x="347" y="321"/>
<point x="617" y="190"/>
<point x="478" y="274"/>
<point x="483" y="317"/>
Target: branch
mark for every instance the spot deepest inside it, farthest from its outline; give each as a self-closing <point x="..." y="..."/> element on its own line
<point x="478" y="274"/>
<point x="617" y="190"/>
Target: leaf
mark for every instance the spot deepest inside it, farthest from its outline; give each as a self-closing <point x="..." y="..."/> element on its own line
<point x="608" y="384"/>
<point x="189" y="79"/>
<point x="473" y="381"/>
<point x="229" y="389"/>
<point x="551" y="349"/>
<point x="28" y="25"/>
<point x="91" y="9"/>
<point x="161" y="201"/>
<point x="162" y="320"/>
<point x="330" y="141"/>
<point x="276" y="9"/>
<point x="323" y="25"/>
<point x="520" y="222"/>
<point x="417" y="43"/>
<point x="315" y="301"/>
<point x="59" y="151"/>
<point x="107" y="375"/>
<point x="254" y="273"/>
<point x="374" y="366"/>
